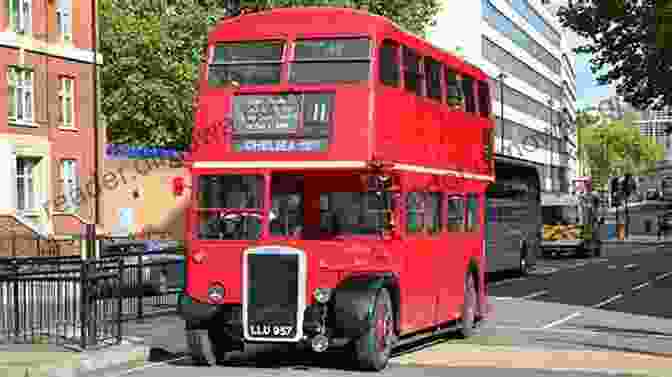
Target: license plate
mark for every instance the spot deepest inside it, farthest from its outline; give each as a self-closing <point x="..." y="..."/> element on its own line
<point x="271" y="331"/>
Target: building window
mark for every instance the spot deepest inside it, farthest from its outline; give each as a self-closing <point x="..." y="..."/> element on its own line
<point x="20" y="15"/>
<point x="502" y="58"/>
<point x="66" y="102"/>
<point x="388" y="63"/>
<point x="25" y="183"/>
<point x="70" y="184"/>
<point x="20" y="98"/>
<point x="63" y="20"/>
<point x="501" y="23"/>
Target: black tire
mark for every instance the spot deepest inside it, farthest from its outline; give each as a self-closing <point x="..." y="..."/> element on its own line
<point x="469" y="308"/>
<point x="373" y="349"/>
<point x="207" y="347"/>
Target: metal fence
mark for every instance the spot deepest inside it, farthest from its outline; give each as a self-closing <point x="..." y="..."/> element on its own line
<point x="83" y="302"/>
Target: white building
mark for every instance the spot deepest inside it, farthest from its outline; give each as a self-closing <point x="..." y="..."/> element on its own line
<point x="522" y="40"/>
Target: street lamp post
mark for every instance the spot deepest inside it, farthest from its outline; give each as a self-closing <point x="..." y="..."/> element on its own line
<point x="501" y="78"/>
<point x="548" y="142"/>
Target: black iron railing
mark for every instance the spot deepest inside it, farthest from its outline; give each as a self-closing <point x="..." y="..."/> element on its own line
<point x="83" y="302"/>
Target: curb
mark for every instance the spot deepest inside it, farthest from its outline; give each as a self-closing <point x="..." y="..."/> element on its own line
<point x="636" y="242"/>
<point x="91" y="361"/>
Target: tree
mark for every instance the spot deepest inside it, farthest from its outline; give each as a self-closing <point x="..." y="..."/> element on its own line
<point x="153" y="51"/>
<point x="614" y="149"/>
<point x="622" y="38"/>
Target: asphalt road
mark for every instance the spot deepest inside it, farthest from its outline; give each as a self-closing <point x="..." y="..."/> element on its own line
<point x="628" y="279"/>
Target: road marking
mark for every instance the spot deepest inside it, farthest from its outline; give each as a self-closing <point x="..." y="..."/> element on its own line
<point x="577" y="331"/>
<point x="501" y="298"/>
<point x="562" y="320"/>
<point x="148" y="366"/>
<point x="611" y="267"/>
<point x="607" y="301"/>
<point x="663" y="276"/>
<point x="628" y="266"/>
<point x="505" y="282"/>
<point x="641" y="286"/>
<point x="535" y="294"/>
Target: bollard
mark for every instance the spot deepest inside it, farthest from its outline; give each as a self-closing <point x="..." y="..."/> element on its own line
<point x="141" y="285"/>
<point x="120" y="298"/>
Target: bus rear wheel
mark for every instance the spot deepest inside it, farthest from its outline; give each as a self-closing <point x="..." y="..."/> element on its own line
<point x="469" y="308"/>
<point x="373" y="349"/>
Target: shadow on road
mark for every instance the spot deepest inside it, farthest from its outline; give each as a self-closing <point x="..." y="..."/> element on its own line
<point x="296" y="358"/>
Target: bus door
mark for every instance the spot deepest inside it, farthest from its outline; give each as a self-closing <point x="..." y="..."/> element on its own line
<point x="449" y="255"/>
<point x="419" y="284"/>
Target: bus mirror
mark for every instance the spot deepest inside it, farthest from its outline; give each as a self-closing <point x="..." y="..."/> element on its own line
<point x="178" y="186"/>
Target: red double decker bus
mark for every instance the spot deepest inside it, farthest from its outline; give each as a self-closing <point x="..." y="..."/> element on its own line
<point x="337" y="198"/>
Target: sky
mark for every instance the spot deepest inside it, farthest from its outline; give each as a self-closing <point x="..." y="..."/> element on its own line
<point x="587" y="90"/>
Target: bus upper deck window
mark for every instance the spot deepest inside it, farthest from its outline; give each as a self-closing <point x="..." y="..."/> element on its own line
<point x="331" y="60"/>
<point x="484" y="99"/>
<point x="468" y="90"/>
<point x="246" y="63"/>
<point x="388" y="63"/>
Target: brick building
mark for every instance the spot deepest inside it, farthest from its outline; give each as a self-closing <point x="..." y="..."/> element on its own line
<point x="49" y="146"/>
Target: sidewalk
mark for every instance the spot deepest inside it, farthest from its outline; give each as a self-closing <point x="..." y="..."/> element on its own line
<point x="518" y="337"/>
<point x="140" y="337"/>
<point x="637" y="239"/>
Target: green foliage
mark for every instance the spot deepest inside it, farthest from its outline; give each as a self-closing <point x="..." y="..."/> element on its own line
<point x="615" y="149"/>
<point x="585" y="119"/>
<point x="152" y="52"/>
<point x="622" y="37"/>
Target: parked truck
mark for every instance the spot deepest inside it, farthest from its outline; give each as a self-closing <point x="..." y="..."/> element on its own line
<point x="571" y="225"/>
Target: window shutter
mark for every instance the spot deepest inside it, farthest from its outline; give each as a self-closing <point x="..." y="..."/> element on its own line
<point x="11" y="88"/>
<point x="61" y="100"/>
<point x="13" y="13"/>
<point x="13" y="176"/>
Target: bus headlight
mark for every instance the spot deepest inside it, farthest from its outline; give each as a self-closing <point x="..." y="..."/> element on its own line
<point x="322" y="295"/>
<point x="216" y="293"/>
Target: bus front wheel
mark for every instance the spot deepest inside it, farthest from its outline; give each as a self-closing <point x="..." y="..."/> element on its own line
<point x="373" y="349"/>
<point x="207" y="346"/>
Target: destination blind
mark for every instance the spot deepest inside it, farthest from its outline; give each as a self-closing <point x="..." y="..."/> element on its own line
<point x="282" y="123"/>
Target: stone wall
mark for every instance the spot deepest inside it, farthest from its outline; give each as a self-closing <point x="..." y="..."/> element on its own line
<point x="16" y="239"/>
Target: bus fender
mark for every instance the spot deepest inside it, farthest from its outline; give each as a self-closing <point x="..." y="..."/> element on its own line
<point x="354" y="298"/>
<point x="193" y="312"/>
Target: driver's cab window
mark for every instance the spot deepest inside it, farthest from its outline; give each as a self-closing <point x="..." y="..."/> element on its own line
<point x="229" y="206"/>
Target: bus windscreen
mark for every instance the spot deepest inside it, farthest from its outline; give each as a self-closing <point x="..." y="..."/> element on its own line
<point x="331" y="60"/>
<point x="247" y="63"/>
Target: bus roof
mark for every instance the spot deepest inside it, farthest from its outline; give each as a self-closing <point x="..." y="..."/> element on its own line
<point x="294" y="21"/>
